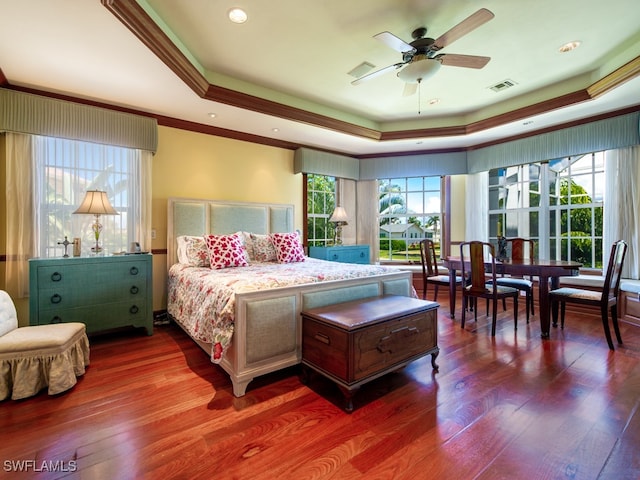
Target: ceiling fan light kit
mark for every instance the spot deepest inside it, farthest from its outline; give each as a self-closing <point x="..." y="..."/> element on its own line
<point x="422" y="59"/>
<point x="419" y="70"/>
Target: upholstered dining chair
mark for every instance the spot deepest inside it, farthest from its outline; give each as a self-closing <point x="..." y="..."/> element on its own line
<point x="607" y="299"/>
<point x="478" y="261"/>
<point x="430" y="271"/>
<point x="521" y="248"/>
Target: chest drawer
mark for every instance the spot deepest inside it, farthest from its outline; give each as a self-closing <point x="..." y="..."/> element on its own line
<point x="342" y="253"/>
<point x="356" y="355"/>
<point x="356" y="341"/>
<point x="101" y="292"/>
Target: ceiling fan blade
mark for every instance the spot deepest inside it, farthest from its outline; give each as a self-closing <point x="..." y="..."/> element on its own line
<point x="377" y="73"/>
<point x="390" y="40"/>
<point x="470" y="23"/>
<point x="467" y="61"/>
<point x="409" y="89"/>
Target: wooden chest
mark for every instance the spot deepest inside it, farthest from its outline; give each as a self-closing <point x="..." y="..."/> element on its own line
<point x="354" y="342"/>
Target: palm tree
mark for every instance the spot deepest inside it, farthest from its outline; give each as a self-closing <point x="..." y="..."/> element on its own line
<point x="391" y="202"/>
<point x="433" y="222"/>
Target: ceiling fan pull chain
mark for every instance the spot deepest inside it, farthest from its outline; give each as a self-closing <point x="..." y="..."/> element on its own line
<point x="419" y="91"/>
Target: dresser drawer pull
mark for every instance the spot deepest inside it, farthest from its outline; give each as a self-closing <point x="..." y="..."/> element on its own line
<point x="133" y="270"/>
<point x="56" y="298"/>
<point x="56" y="319"/>
<point x="322" y="338"/>
<point x="335" y="256"/>
<point x="56" y="277"/>
<point x="134" y="290"/>
<point x="134" y="309"/>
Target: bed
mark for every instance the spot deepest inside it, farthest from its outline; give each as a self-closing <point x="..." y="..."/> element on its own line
<point x="248" y="318"/>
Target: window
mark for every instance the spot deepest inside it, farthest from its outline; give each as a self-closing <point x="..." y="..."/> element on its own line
<point x="409" y="211"/>
<point x="321" y="200"/>
<point x="559" y="204"/>
<point x="576" y="190"/>
<point x="65" y="170"/>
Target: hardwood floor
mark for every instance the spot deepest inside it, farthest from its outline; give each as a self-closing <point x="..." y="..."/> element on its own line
<point x="513" y="407"/>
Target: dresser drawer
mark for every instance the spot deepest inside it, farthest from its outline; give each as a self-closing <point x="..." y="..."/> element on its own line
<point x="116" y="315"/>
<point x="342" y="253"/>
<point x="102" y="292"/>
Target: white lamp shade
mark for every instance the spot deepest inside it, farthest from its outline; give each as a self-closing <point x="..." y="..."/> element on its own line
<point x="419" y="70"/>
<point x="96" y="202"/>
<point x="339" y="215"/>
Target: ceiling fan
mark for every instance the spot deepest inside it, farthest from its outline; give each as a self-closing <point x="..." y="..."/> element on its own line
<point x="421" y="58"/>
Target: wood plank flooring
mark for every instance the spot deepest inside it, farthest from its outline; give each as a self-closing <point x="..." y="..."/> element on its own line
<point x="512" y="407"/>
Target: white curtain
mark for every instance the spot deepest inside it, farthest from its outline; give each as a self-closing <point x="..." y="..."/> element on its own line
<point x="367" y="208"/>
<point x="477" y="207"/>
<point x="20" y="226"/>
<point x="141" y="221"/>
<point x="621" y="203"/>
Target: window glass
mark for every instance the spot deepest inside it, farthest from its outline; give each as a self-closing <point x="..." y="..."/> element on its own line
<point x="574" y="193"/>
<point x="321" y="200"/>
<point x="65" y="170"/>
<point x="409" y="211"/>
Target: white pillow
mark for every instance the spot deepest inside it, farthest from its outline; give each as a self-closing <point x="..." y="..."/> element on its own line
<point x="192" y="250"/>
<point x="8" y="315"/>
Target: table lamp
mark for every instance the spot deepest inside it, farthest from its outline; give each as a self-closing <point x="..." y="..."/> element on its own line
<point x="96" y="203"/>
<point x="339" y="217"/>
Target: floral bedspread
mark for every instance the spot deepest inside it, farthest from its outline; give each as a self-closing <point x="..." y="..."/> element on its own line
<point x="203" y="299"/>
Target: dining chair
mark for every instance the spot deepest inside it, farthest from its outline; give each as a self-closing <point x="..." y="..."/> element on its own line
<point x="478" y="261"/>
<point x="430" y="272"/>
<point x="518" y="247"/>
<point x="607" y="299"/>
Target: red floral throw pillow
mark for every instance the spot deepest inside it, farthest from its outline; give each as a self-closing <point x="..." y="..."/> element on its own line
<point x="288" y="247"/>
<point x="226" y="251"/>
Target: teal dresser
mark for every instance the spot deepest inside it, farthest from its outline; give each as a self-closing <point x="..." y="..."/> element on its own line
<point x="102" y="292"/>
<point x="341" y="253"/>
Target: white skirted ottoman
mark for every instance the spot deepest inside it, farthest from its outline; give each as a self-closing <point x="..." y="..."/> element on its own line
<point x="32" y="358"/>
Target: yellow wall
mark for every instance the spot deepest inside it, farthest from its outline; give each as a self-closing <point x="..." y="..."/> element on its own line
<point x="196" y="165"/>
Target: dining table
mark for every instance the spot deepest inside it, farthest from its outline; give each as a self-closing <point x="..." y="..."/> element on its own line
<point x="547" y="271"/>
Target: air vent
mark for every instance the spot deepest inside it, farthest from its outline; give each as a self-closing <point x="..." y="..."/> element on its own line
<point x="360" y="70"/>
<point x="498" y="87"/>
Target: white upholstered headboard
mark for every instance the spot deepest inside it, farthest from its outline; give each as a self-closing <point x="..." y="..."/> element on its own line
<point x="189" y="216"/>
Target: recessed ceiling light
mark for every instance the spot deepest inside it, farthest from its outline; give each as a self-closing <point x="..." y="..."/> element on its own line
<point x="567" y="47"/>
<point x="434" y="101"/>
<point x="237" y="15"/>
<point x="212" y="115"/>
<point x="275" y="129"/>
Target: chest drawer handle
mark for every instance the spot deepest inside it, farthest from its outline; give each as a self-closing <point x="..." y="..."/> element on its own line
<point x="134" y="309"/>
<point x="56" y="277"/>
<point x="134" y="290"/>
<point x="322" y="338"/>
<point x="56" y="298"/>
<point x="133" y="270"/>
<point x="56" y="319"/>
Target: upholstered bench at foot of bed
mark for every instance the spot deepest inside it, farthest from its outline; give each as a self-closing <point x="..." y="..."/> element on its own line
<point x="32" y="358"/>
